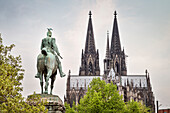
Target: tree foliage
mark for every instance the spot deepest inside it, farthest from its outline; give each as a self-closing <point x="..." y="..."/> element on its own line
<point x="11" y="75"/>
<point x="69" y="109"/>
<point x="136" y="107"/>
<point x="104" y="98"/>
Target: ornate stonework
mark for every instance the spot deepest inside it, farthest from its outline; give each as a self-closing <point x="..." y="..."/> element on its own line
<point x="54" y="103"/>
<point x="90" y="57"/>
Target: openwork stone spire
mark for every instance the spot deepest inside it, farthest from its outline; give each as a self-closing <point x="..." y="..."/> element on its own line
<point x="107" y="47"/>
<point x="115" y="42"/>
<point x="90" y="57"/>
<point x="90" y="43"/>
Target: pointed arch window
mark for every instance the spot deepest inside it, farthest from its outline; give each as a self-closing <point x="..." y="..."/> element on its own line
<point x="85" y="63"/>
<point x="117" y="67"/>
<point x="108" y="64"/>
<point x="73" y="98"/>
<point x="81" y="96"/>
<point x="90" y="67"/>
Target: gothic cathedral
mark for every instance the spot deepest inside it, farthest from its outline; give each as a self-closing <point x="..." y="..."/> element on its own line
<point x="136" y="87"/>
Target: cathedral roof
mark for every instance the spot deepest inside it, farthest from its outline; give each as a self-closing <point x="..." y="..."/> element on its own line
<point x="115" y="42"/>
<point x="90" y="43"/>
<point x="137" y="80"/>
<point x="81" y="81"/>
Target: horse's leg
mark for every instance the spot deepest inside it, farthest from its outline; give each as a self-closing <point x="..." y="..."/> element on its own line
<point x="52" y="83"/>
<point x="40" y="76"/>
<point x="47" y="79"/>
<point x="41" y="82"/>
<point x="45" y="74"/>
<point x="46" y="84"/>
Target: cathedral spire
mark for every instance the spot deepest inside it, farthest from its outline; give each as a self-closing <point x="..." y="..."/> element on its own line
<point x="90" y="56"/>
<point x="90" y="44"/>
<point x="115" y="42"/>
<point x="107" y="47"/>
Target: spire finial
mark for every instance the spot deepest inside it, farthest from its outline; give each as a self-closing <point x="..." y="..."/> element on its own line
<point x="146" y="71"/>
<point x="115" y="13"/>
<point x="69" y="72"/>
<point x="90" y="14"/>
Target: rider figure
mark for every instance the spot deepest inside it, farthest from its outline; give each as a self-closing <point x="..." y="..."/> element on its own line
<point x="48" y="45"/>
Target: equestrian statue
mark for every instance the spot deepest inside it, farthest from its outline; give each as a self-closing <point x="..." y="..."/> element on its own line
<point x="48" y="62"/>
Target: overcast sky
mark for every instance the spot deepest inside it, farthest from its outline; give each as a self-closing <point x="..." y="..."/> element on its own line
<point x="144" y="28"/>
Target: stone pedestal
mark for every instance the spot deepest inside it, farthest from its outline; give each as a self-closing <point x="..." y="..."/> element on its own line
<point x="55" y="104"/>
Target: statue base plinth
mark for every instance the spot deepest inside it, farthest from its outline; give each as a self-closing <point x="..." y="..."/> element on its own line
<point x="54" y="103"/>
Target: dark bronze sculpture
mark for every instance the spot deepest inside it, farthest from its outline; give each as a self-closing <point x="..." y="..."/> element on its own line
<point x="48" y="62"/>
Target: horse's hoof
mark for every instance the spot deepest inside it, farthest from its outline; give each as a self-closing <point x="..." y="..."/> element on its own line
<point x="63" y="75"/>
<point x="37" y="76"/>
<point x="45" y="92"/>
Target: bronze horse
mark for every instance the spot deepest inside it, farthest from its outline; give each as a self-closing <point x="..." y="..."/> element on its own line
<point x="47" y="67"/>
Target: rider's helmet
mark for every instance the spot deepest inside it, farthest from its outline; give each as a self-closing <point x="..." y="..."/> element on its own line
<point x="49" y="33"/>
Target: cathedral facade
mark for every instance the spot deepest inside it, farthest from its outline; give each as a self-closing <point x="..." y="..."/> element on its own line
<point x="136" y="87"/>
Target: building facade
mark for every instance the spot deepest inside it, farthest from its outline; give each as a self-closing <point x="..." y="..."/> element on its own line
<point x="164" y="111"/>
<point x="136" y="87"/>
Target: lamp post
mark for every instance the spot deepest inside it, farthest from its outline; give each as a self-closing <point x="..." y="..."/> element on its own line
<point x="157" y="106"/>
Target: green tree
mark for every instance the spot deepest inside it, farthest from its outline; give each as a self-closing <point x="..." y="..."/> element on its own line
<point x="69" y="109"/>
<point x="104" y="98"/>
<point x="11" y="75"/>
<point x="100" y="97"/>
<point x="136" y="107"/>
